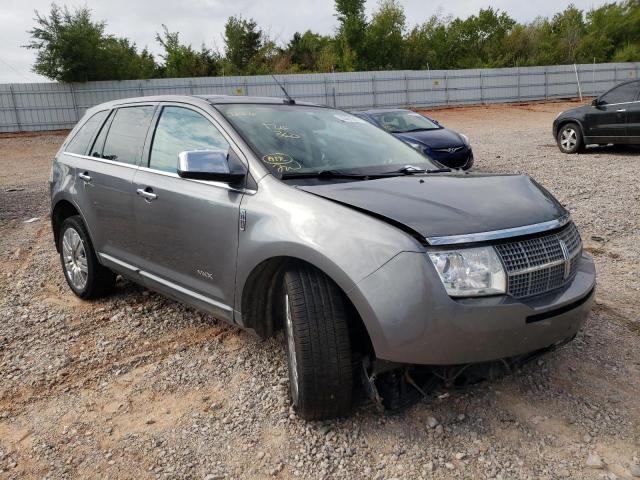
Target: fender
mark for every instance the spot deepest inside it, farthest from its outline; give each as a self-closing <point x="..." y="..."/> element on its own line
<point x="564" y="121"/>
<point x="346" y="244"/>
<point x="60" y="196"/>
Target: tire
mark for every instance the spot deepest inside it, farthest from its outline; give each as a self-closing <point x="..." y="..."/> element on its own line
<point x="86" y="277"/>
<point x="570" y="138"/>
<point x="318" y="347"/>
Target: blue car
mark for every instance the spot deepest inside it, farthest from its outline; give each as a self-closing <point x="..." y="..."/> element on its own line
<point x="425" y="134"/>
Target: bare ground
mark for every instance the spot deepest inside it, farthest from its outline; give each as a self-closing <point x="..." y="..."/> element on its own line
<point x="138" y="386"/>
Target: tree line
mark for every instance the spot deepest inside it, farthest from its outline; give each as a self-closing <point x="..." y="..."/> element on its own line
<point x="73" y="47"/>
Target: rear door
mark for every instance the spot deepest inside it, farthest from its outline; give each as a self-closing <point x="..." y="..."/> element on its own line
<point x="107" y="176"/>
<point x="187" y="230"/>
<point x="607" y="122"/>
<point x="633" y="118"/>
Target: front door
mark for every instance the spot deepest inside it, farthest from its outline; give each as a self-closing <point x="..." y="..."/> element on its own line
<point x="607" y="121"/>
<point x="633" y="119"/>
<point x="187" y="230"/>
<point x="606" y="124"/>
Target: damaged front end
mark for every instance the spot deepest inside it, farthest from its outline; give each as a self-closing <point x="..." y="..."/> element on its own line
<point x="394" y="387"/>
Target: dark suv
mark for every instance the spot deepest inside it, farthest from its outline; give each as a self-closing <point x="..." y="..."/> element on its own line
<point x="613" y="117"/>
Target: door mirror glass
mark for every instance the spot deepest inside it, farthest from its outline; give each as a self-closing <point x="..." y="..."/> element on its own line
<point x="210" y="165"/>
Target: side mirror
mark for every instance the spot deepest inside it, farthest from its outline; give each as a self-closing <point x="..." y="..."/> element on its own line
<point x="596" y="102"/>
<point x="212" y="165"/>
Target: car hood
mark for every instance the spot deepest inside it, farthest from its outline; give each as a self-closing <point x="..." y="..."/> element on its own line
<point x="437" y="138"/>
<point x="576" y="111"/>
<point x="448" y="204"/>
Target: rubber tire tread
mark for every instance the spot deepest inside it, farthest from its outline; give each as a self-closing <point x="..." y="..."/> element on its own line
<point x="323" y="349"/>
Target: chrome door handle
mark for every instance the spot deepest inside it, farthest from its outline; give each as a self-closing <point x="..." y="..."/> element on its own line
<point x="622" y="110"/>
<point x="148" y="195"/>
<point x="85" y="176"/>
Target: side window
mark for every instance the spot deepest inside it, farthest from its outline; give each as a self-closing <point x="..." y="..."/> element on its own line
<point x="126" y="136"/>
<point x="180" y="129"/>
<point x="621" y="94"/>
<point x="84" y="135"/>
<point x="98" y="144"/>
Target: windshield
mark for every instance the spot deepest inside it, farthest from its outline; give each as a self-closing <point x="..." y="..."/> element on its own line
<point x="403" y="122"/>
<point x="295" y="138"/>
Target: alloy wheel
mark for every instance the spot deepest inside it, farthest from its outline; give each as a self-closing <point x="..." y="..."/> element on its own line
<point x="568" y="139"/>
<point x="75" y="258"/>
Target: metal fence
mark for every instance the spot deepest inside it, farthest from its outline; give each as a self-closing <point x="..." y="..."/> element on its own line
<point x="53" y="106"/>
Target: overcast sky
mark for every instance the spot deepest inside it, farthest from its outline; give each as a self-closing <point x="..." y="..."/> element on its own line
<point x="201" y="21"/>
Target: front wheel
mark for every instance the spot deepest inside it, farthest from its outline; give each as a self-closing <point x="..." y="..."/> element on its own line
<point x="570" y="139"/>
<point x="318" y="345"/>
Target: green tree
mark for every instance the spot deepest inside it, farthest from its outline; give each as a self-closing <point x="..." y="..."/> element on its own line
<point x="243" y="40"/>
<point x="350" y="38"/>
<point x="67" y="43"/>
<point x="71" y="47"/>
<point x="306" y="49"/>
<point x="568" y="28"/>
<point x="183" y="61"/>
<point x="385" y="37"/>
<point x="610" y="29"/>
<point x="427" y="45"/>
<point x="628" y="53"/>
<point x="477" y="41"/>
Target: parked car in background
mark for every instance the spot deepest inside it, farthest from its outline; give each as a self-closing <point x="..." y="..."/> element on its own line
<point x="277" y="215"/>
<point x="425" y="134"/>
<point x="612" y="118"/>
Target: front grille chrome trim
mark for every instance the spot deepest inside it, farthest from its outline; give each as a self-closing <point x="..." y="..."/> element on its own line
<point x="548" y="265"/>
<point x="539" y="264"/>
<point x="499" y="234"/>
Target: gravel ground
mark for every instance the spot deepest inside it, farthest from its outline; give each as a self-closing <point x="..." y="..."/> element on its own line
<point x="138" y="386"/>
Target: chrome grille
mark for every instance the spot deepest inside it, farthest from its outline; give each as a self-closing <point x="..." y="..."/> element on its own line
<point x="540" y="264"/>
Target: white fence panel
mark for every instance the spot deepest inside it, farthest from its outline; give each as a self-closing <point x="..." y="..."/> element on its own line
<point x="54" y="106"/>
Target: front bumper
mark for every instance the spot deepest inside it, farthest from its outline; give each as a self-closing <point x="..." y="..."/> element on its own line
<point x="461" y="159"/>
<point x="411" y="319"/>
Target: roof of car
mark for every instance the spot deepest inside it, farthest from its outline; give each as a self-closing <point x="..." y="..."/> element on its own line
<point x="383" y="110"/>
<point x="219" y="99"/>
<point x="211" y="99"/>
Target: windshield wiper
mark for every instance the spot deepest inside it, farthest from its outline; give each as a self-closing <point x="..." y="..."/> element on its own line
<point x="420" y="129"/>
<point x="406" y="170"/>
<point x="323" y="174"/>
<point x="411" y="170"/>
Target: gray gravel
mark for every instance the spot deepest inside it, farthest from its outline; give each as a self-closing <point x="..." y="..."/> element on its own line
<point x="138" y="386"/>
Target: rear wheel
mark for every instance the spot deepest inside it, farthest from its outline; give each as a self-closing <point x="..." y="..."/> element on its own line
<point x="84" y="274"/>
<point x="318" y="346"/>
<point x="570" y="139"/>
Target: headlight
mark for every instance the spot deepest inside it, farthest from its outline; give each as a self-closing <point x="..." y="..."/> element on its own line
<point x="470" y="271"/>
<point x="417" y="146"/>
<point x="465" y="139"/>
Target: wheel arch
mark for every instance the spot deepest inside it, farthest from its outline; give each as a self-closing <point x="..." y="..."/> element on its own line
<point x="62" y="210"/>
<point x="262" y="313"/>
<point x="63" y="207"/>
<point x="564" y="121"/>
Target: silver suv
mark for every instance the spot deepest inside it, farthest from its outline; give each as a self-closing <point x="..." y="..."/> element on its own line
<point x="272" y="214"/>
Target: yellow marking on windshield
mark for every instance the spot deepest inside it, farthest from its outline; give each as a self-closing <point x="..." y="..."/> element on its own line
<point x="281" y="162"/>
<point x="281" y="131"/>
